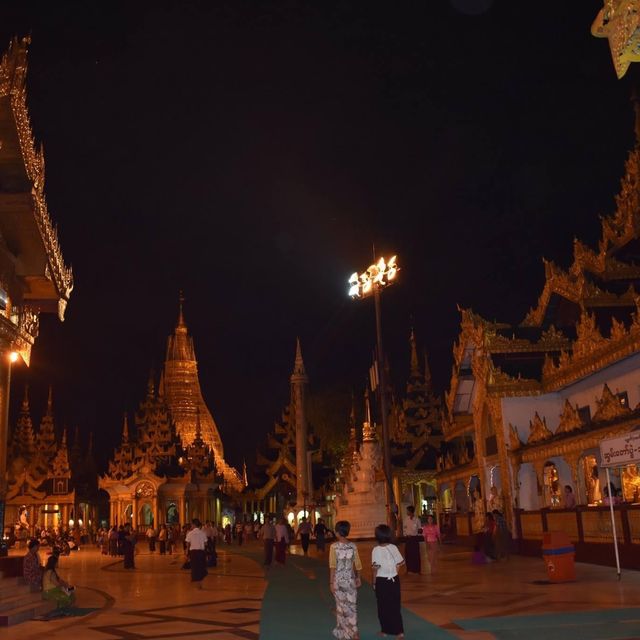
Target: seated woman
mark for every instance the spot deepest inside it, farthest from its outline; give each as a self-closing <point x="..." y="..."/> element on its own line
<point x="31" y="567"/>
<point x="54" y="588"/>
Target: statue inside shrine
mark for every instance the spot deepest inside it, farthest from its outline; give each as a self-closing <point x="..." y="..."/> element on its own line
<point x="631" y="484"/>
<point x="594" y="495"/>
<point x="477" y="506"/>
<point x="494" y="502"/>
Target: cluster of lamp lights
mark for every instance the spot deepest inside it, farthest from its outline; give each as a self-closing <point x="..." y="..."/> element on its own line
<point x="380" y="274"/>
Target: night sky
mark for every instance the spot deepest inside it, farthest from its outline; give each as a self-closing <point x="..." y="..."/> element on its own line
<point x="252" y="154"/>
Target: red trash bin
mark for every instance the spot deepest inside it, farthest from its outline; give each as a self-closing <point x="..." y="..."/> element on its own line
<point x="559" y="556"/>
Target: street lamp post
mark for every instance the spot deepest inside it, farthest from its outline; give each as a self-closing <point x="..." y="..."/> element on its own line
<point x="377" y="277"/>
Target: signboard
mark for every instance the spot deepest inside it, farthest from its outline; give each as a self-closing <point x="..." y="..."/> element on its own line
<point x="618" y="452"/>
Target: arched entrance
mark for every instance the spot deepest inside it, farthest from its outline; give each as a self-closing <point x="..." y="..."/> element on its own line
<point x="145" y="515"/>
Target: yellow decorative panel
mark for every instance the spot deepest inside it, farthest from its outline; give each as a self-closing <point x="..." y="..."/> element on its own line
<point x="564" y="521"/>
<point x="462" y="524"/>
<point x="531" y="526"/>
<point x="634" y="524"/>
<point x="596" y="526"/>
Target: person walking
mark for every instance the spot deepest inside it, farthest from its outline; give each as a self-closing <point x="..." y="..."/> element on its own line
<point x="162" y="539"/>
<point x="268" y="534"/>
<point x="113" y="541"/>
<point x="385" y="561"/>
<point x="304" y="533"/>
<point x="151" y="537"/>
<point x="196" y="541"/>
<point x="239" y="532"/>
<point x="502" y="536"/>
<point x="282" y="540"/>
<point x="431" y="533"/>
<point x="128" y="547"/>
<point x="320" y="532"/>
<point x="412" y="546"/>
<point x="344" y="580"/>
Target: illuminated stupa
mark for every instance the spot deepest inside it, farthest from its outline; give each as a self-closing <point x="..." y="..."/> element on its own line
<point x="182" y="394"/>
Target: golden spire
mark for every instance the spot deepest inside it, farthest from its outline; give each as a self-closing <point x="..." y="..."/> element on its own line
<point x="25" y="400"/>
<point x="50" y="401"/>
<point x="299" y="374"/>
<point x="181" y="327"/>
<point x="64" y="437"/>
<point x="151" y="392"/>
<point x="415" y="371"/>
<point x="368" y="430"/>
<point x="125" y="429"/>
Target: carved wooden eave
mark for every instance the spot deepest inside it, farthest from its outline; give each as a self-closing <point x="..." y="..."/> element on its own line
<point x="514" y="439"/>
<point x="569" y="419"/>
<point x="13" y="71"/>
<point x="574" y="442"/>
<point x="592" y="352"/>
<point x="609" y="406"/>
<point x="459" y="472"/>
<point x="538" y="430"/>
<point x="501" y="384"/>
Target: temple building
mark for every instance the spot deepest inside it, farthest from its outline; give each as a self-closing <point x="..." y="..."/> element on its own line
<point x="48" y="486"/>
<point x="529" y="404"/>
<point x="169" y="467"/>
<point x="34" y="278"/>
<point x="416" y="437"/>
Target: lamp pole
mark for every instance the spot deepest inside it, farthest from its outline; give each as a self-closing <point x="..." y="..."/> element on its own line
<point x="371" y="282"/>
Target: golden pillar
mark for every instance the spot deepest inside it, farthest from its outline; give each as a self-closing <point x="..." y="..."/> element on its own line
<point x="5" y="384"/>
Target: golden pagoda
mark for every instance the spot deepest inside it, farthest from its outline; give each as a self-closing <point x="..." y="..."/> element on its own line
<point x="182" y="394"/>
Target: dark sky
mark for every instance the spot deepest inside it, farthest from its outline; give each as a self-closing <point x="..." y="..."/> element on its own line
<point x="252" y="153"/>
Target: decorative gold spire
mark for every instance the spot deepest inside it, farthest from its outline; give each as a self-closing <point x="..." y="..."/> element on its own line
<point x="180" y="388"/>
<point x="151" y="392"/>
<point x="181" y="327"/>
<point x="368" y="429"/>
<point x="64" y="437"/>
<point x="50" y="401"/>
<point x="299" y="374"/>
<point x="125" y="429"/>
<point x="415" y="371"/>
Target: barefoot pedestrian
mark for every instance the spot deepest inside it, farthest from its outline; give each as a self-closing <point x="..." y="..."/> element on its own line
<point x="344" y="580"/>
<point x="196" y="541"/>
<point x="431" y="533"/>
<point x="385" y="560"/>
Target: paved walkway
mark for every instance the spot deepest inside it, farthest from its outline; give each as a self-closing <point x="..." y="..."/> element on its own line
<point x="497" y="601"/>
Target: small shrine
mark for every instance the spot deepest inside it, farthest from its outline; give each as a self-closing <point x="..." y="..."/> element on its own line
<point x="361" y="500"/>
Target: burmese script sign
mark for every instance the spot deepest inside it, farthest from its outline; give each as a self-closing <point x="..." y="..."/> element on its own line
<point x="617" y="452"/>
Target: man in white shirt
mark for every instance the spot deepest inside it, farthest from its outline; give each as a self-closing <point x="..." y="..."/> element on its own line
<point x="412" y="525"/>
<point x="196" y="542"/>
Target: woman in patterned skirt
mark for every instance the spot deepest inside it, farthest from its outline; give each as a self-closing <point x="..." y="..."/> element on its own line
<point x="344" y="580"/>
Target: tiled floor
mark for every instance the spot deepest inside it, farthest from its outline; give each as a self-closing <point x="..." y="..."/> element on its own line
<point x="157" y="600"/>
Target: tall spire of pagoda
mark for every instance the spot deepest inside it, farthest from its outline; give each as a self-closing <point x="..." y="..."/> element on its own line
<point x="125" y="429"/>
<point x="151" y="391"/>
<point x="427" y="372"/>
<point x="24" y="440"/>
<point x="181" y="327"/>
<point x="415" y="371"/>
<point x="299" y="382"/>
<point x="368" y="431"/>
<point x="47" y="433"/>
<point x="60" y="465"/>
<point x="298" y="366"/>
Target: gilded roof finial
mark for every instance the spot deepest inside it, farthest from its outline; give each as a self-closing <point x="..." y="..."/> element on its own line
<point x="368" y="430"/>
<point x="25" y="400"/>
<point x="414" y="354"/>
<point x="299" y="374"/>
<point x="125" y="429"/>
<point x="50" y="401"/>
<point x="151" y="392"/>
<point x="181" y="323"/>
<point x="64" y="437"/>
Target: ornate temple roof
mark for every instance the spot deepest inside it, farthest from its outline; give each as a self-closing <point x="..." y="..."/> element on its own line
<point x="27" y="227"/>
